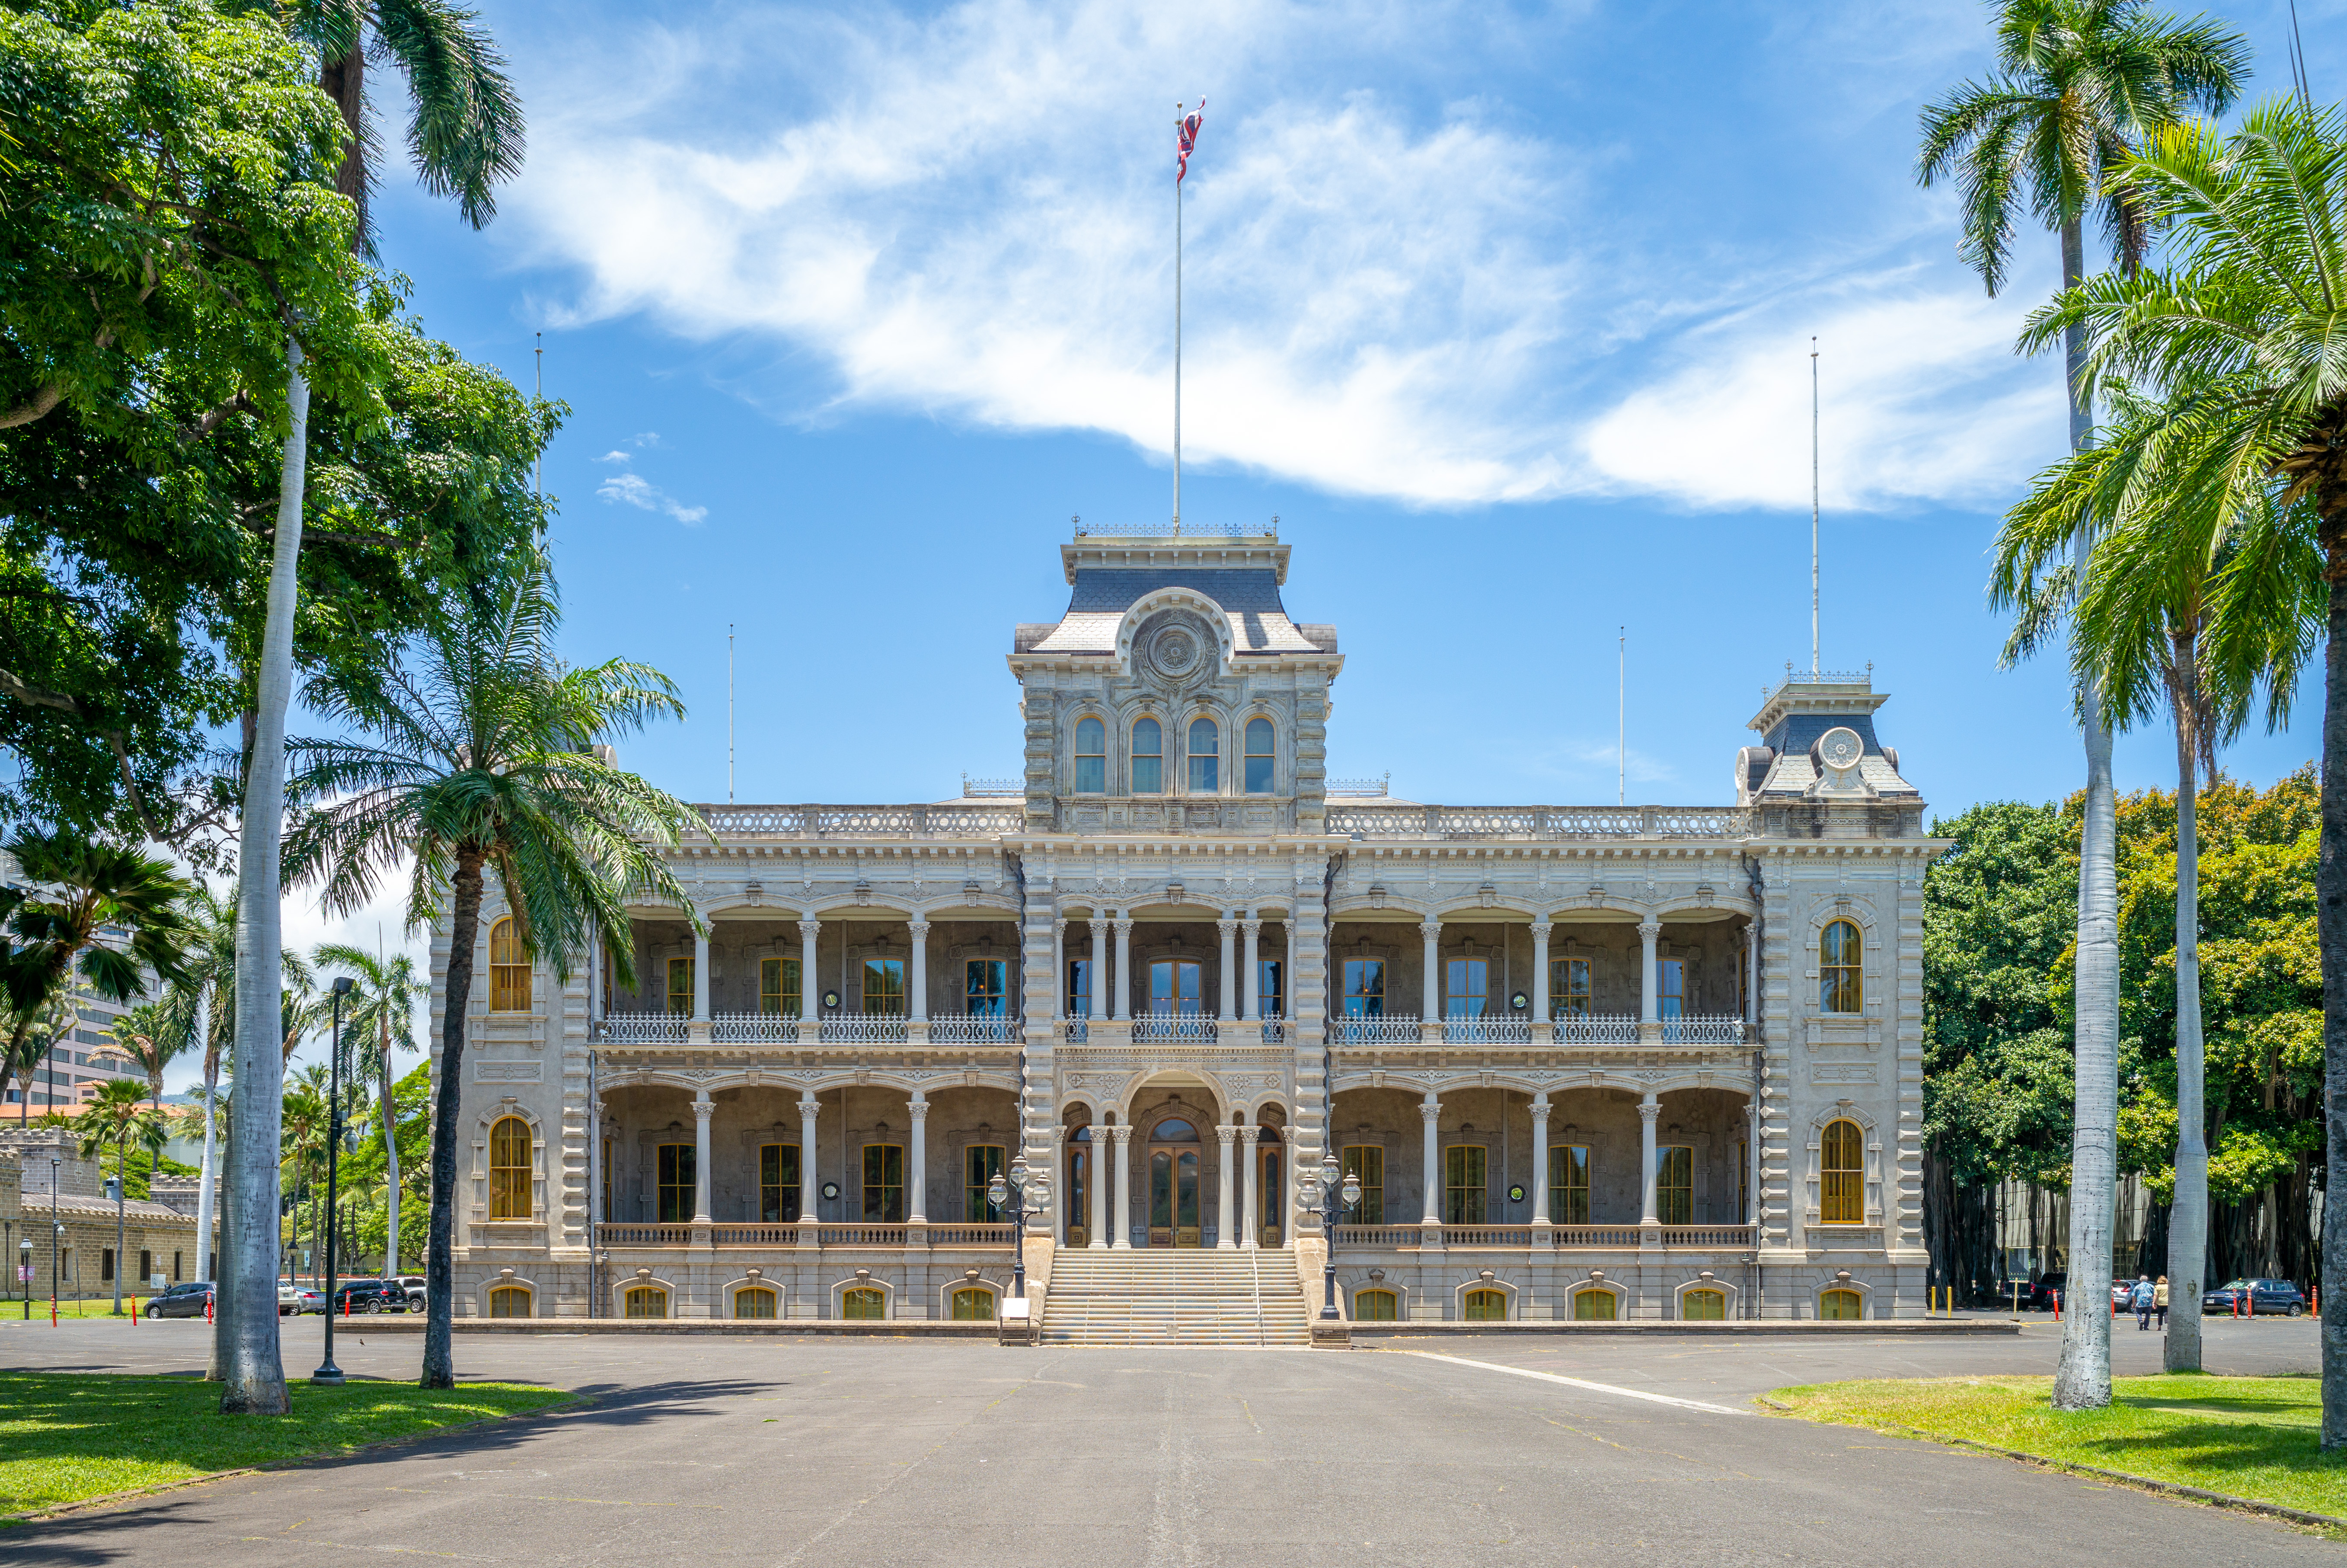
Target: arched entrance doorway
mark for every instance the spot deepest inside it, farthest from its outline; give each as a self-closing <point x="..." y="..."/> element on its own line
<point x="1176" y="1215"/>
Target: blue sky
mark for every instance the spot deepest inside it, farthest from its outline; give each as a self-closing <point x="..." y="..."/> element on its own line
<point x="1504" y="310"/>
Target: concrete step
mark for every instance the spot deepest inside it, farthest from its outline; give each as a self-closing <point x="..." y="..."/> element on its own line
<point x="1154" y="1297"/>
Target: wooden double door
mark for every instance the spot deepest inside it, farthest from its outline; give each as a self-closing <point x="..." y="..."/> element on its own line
<point x="1176" y="1171"/>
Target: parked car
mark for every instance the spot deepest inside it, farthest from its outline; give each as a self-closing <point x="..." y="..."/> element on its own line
<point x="293" y="1299"/>
<point x="2274" y="1297"/>
<point x="2038" y="1295"/>
<point x="413" y="1285"/>
<point x="182" y="1300"/>
<point x="371" y="1295"/>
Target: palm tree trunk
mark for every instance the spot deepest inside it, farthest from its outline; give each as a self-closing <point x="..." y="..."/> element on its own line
<point x="447" y="1079"/>
<point x="224" y="1279"/>
<point x="2082" y="1376"/>
<point x="2188" y="1224"/>
<point x="204" y="1243"/>
<point x="256" y="1373"/>
<point x="390" y="1154"/>
<point x="2330" y="921"/>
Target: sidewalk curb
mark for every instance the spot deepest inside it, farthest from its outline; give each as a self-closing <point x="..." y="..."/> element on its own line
<point x="2142" y="1482"/>
<point x="82" y="1505"/>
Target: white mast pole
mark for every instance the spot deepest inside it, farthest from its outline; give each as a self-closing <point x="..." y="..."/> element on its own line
<point x="537" y="464"/>
<point x="1813" y="508"/>
<point x="729" y="712"/>
<point x="1178" y="128"/>
<point x="1622" y="718"/>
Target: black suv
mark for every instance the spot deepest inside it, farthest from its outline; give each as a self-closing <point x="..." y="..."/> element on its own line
<point x="371" y="1295"/>
<point x="182" y="1300"/>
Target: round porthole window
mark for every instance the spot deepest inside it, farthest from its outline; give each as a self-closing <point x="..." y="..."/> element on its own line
<point x="831" y="1192"/>
<point x="1515" y="1195"/>
<point x="831" y="1000"/>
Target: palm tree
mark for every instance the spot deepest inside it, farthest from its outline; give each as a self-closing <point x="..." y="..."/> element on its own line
<point x="308" y="1120"/>
<point x="2180" y="584"/>
<point x="465" y="135"/>
<point x="115" y="1113"/>
<point x="206" y="1001"/>
<point x="2078" y="83"/>
<point x="2242" y="329"/>
<point x="484" y="760"/>
<point x="382" y="1021"/>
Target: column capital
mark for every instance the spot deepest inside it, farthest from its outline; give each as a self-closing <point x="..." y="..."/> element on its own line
<point x="809" y="1103"/>
<point x="1541" y="1108"/>
<point x="1122" y="1133"/>
<point x="920" y="929"/>
<point x="1430" y="929"/>
<point x="918" y="1109"/>
<point x="809" y="927"/>
<point x="1649" y="1108"/>
<point x="1431" y="1110"/>
<point x="1252" y="926"/>
<point x="1100" y="924"/>
<point x="1226" y="927"/>
<point x="1541" y="929"/>
<point x="703" y="1106"/>
<point x="1650" y="929"/>
<point x="1224" y="1133"/>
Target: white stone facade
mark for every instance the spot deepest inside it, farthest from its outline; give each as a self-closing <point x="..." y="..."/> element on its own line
<point x="1174" y="941"/>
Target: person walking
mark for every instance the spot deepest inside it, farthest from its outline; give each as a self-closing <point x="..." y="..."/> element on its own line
<point x="2145" y="1293"/>
<point x="2159" y="1302"/>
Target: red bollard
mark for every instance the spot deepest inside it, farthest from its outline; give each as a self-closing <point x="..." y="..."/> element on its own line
<point x="207" y="1306"/>
<point x="346" y="1304"/>
<point x="2057" y="1307"/>
<point x="134" y="1309"/>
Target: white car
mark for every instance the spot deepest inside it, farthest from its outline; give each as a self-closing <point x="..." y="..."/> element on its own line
<point x="298" y="1299"/>
<point x="413" y="1285"/>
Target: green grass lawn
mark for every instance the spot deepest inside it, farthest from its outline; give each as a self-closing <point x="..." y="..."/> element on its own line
<point x="65" y="1436"/>
<point x="2247" y="1436"/>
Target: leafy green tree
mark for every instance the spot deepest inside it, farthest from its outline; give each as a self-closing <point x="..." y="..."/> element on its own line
<point x="2242" y="329"/>
<point x="2078" y="85"/>
<point x="382" y="1021"/>
<point x="479" y="760"/>
<point x="117" y="1113"/>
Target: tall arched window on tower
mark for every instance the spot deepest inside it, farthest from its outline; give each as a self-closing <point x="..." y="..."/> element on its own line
<point x="1206" y="757"/>
<point x="1838" y="985"/>
<point x="1092" y="756"/>
<point x="1843" y="1200"/>
<point x="508" y="968"/>
<point x="509" y="1169"/>
<point x="1148" y="758"/>
<point x="1258" y="757"/>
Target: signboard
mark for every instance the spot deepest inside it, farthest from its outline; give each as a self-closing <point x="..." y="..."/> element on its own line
<point x="159" y="1283"/>
<point x="24" y="1273"/>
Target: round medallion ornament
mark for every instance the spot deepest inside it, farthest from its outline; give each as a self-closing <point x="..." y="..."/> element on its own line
<point x="1841" y="749"/>
<point x="1176" y="651"/>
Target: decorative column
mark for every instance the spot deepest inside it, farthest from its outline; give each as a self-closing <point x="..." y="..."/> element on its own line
<point x="920" y="987"/>
<point x="1229" y="929"/>
<point x="917" y="1178"/>
<point x="1103" y="1154"/>
<point x="1121" y="1217"/>
<point x="1540" y="1217"/>
<point x="1060" y="967"/>
<point x="1751" y="975"/>
<point x="1251" y="1203"/>
<point x="1430" y="1009"/>
<point x="1100" y="968"/>
<point x="1430" y="1111"/>
<point x="1226" y="1233"/>
<point x="702" y="1109"/>
<point x="808" y="1105"/>
<point x="1752" y="1166"/>
<point x="1541" y="1005"/>
<point x="1649" y="1110"/>
<point x="1250" y="978"/>
<point x="1650" y="1025"/>
<point x="810" y="990"/>
<point x="700" y="977"/>
<point x="1125" y="968"/>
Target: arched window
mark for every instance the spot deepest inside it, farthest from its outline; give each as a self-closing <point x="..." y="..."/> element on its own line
<point x="1595" y="1305"/>
<point x="509" y="1301"/>
<point x="1841" y="1305"/>
<point x="647" y="1301"/>
<point x="1092" y="756"/>
<point x="1206" y="757"/>
<point x="1487" y="1306"/>
<point x="1148" y="758"/>
<point x="1842" y="1199"/>
<point x="508" y="968"/>
<point x="1258" y="757"/>
<point x="1703" y="1306"/>
<point x="1838" y="969"/>
<point x="972" y="1304"/>
<point x="757" y="1301"/>
<point x="1376" y="1306"/>
<point x="509" y="1169"/>
<point x="864" y="1303"/>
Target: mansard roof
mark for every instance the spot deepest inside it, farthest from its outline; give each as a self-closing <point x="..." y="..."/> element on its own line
<point x="1248" y="596"/>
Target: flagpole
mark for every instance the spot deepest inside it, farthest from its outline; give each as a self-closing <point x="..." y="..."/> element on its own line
<point x="1813" y="508"/>
<point x="1177" y="334"/>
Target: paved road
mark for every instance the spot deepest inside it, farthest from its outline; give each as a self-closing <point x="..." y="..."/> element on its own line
<point x="782" y="1451"/>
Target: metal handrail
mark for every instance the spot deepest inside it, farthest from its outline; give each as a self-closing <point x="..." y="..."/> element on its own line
<point x="974" y="1028"/>
<point x="1391" y="1028"/>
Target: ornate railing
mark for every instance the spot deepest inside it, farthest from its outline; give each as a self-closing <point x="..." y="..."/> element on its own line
<point x="1540" y="822"/>
<point x="768" y="1235"/>
<point x="1076" y="1031"/>
<point x="1393" y="1029"/>
<point x="1275" y="1032"/>
<point x="825" y="821"/>
<point x="1153" y="1027"/>
<point x="1720" y="1031"/>
<point x="1595" y="1029"/>
<point x="752" y="1028"/>
<point x="1487" y="1236"/>
<point x="973" y="1235"/>
<point x="1707" y="1235"/>
<point x="1377" y="1236"/>
<point x="1597" y="1235"/>
<point x="874" y="1028"/>
<point x="640" y="1029"/>
<point x="644" y="1235"/>
<point x="1492" y="1029"/>
<point x="972" y="1029"/>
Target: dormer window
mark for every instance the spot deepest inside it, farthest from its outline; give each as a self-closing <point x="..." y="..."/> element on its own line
<point x="1148" y="758"/>
<point x="1206" y="757"/>
<point x="1258" y="757"/>
<point x="1092" y="756"/>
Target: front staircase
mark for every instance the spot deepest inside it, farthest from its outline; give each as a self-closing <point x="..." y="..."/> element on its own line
<point x="1174" y="1296"/>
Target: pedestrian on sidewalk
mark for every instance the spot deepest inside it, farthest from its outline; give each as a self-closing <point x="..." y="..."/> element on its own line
<point x="2159" y="1302"/>
<point x="2144" y="1292"/>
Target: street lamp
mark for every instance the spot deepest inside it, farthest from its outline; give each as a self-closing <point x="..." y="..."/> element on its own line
<point x="1023" y="1192"/>
<point x="25" y="1273"/>
<point x="327" y="1372"/>
<point x="57" y="1230"/>
<point x="1322" y="1190"/>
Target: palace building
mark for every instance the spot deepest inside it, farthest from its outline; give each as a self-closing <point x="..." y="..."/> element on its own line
<point x="1584" y="1062"/>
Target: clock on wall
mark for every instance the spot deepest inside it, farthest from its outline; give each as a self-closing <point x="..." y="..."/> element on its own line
<point x="831" y="1192"/>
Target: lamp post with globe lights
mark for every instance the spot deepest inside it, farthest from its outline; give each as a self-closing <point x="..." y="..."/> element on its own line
<point x="1323" y="1190"/>
<point x="1019" y="1193"/>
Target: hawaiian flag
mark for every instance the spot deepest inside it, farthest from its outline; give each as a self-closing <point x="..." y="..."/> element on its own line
<point x="1188" y="139"/>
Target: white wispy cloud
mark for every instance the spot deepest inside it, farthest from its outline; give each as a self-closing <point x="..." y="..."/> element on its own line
<point x="967" y="213"/>
<point x="635" y="490"/>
